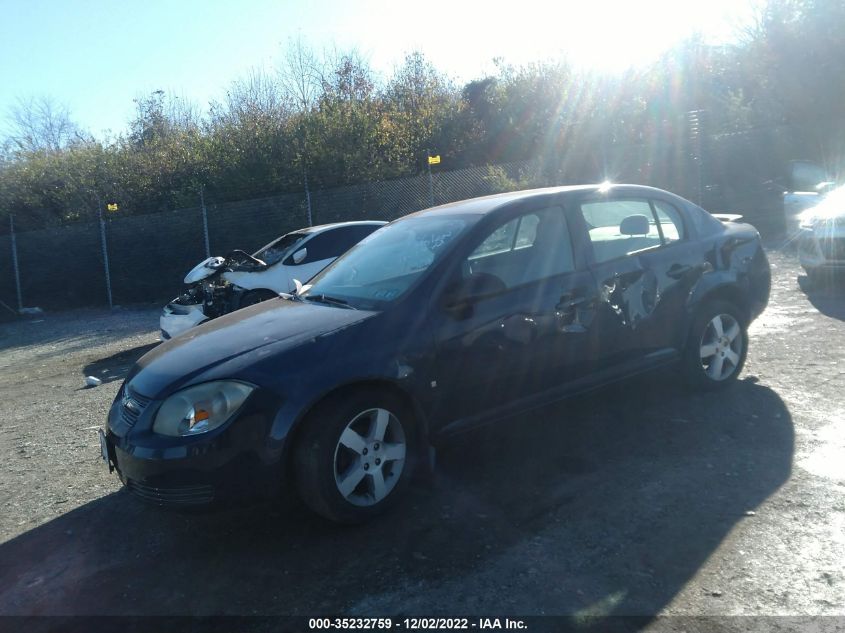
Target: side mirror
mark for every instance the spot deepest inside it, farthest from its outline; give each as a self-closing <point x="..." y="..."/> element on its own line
<point x="300" y="255"/>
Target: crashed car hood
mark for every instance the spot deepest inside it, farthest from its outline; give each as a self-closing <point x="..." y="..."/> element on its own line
<point x="278" y="322"/>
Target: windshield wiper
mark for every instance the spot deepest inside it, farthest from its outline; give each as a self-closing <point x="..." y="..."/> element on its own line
<point x="334" y="301"/>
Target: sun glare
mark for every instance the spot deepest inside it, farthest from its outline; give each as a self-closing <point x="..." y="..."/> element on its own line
<point x="601" y="35"/>
<point x="612" y="35"/>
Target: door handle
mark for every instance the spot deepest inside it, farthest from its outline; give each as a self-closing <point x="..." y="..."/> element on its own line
<point x="569" y="315"/>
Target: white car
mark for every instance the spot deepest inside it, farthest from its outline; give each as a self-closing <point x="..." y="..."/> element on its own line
<point x="795" y="203"/>
<point x="821" y="240"/>
<point x="220" y="285"/>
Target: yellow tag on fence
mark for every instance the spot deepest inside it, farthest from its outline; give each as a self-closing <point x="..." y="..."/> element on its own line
<point x="434" y="160"/>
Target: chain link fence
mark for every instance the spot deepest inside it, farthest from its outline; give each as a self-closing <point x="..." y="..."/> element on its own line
<point x="148" y="255"/>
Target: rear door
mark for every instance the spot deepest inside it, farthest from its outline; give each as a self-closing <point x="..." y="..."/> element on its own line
<point x="677" y="266"/>
<point x="643" y="268"/>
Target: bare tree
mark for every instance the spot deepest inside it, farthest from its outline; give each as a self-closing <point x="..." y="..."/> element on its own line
<point x="182" y="112"/>
<point x="40" y="124"/>
<point x="301" y="75"/>
<point x="256" y="95"/>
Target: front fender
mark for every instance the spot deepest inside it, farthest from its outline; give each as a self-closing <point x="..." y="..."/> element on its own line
<point x="398" y="359"/>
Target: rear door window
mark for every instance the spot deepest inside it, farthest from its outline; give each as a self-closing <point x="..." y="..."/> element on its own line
<point x="605" y="219"/>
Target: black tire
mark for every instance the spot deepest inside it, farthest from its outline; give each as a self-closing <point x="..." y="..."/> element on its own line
<point x="819" y="277"/>
<point x="256" y="296"/>
<point x="318" y="455"/>
<point x="698" y="371"/>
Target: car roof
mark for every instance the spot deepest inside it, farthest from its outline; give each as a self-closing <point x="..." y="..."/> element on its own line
<point x="488" y="204"/>
<point x="325" y="227"/>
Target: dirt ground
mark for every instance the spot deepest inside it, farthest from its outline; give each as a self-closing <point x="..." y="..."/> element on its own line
<point x="640" y="499"/>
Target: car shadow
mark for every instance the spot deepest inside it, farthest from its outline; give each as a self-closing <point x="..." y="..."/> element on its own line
<point x="602" y="505"/>
<point x="827" y="294"/>
<point x="77" y="329"/>
<point x="116" y="366"/>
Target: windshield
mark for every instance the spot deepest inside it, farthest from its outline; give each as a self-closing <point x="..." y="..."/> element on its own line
<point x="383" y="266"/>
<point x="279" y="248"/>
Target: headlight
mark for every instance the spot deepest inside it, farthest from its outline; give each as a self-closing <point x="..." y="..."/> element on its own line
<point x="200" y="409"/>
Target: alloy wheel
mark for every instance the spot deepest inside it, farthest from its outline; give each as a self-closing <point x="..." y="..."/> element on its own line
<point x="721" y="347"/>
<point x="369" y="457"/>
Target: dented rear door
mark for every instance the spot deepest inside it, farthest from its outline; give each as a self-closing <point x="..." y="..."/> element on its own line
<point x="642" y="280"/>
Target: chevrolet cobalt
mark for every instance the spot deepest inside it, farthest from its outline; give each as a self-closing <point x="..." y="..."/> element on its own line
<point x="439" y="322"/>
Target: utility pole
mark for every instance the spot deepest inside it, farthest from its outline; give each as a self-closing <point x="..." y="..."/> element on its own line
<point x="307" y="196"/>
<point x="695" y="125"/>
<point x="105" y="250"/>
<point x="432" y="160"/>
<point x="430" y="187"/>
<point x="15" y="261"/>
<point x="205" y="222"/>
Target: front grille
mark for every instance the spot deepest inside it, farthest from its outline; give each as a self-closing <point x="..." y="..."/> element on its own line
<point x="131" y="406"/>
<point x="833" y="247"/>
<point x="175" y="496"/>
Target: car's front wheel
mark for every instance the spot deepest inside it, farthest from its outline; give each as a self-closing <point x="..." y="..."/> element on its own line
<point x="716" y="347"/>
<point x="819" y="277"/>
<point x="355" y="455"/>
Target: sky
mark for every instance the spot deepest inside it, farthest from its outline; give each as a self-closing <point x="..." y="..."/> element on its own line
<point x="96" y="56"/>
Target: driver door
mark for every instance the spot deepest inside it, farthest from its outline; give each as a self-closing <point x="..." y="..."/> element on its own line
<point x="528" y="331"/>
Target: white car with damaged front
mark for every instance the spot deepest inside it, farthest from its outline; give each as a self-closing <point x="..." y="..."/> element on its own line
<point x="219" y="285"/>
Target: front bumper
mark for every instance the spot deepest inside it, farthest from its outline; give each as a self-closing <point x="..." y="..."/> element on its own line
<point x="193" y="479"/>
<point x="821" y="248"/>
<point x="177" y="318"/>
<point x="234" y="461"/>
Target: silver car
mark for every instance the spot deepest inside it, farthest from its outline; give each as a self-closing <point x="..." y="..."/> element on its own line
<point x="821" y="238"/>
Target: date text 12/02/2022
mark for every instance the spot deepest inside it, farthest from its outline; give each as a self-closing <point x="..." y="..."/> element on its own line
<point x="414" y="624"/>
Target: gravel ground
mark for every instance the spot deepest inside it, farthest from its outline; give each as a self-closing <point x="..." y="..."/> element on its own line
<point x="640" y="499"/>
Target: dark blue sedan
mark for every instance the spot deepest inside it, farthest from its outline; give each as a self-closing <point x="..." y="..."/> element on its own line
<point x="439" y="322"/>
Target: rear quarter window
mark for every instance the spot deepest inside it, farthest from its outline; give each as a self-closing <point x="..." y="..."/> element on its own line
<point x="704" y="223"/>
<point x="671" y="222"/>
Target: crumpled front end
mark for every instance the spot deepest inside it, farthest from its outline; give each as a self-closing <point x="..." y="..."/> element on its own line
<point x="204" y="300"/>
<point x="178" y="317"/>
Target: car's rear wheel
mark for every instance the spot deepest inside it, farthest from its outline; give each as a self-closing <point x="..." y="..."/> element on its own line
<point x="716" y="347"/>
<point x="355" y="455"/>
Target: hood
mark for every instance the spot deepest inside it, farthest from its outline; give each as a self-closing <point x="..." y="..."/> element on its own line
<point x="278" y="323"/>
<point x="204" y="269"/>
